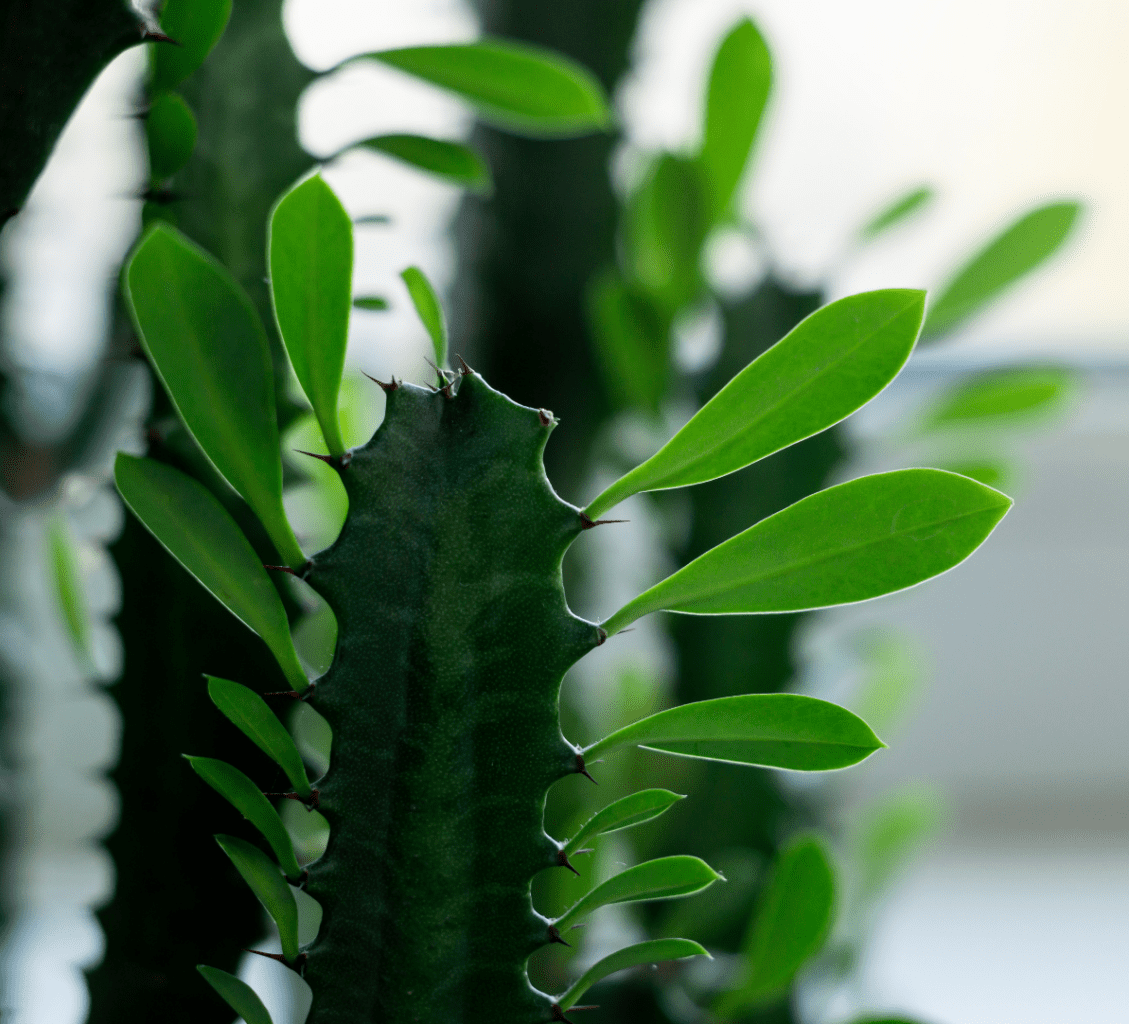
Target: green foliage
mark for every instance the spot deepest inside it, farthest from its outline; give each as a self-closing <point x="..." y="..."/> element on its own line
<point x="170" y="133"/>
<point x="889" y="834"/>
<point x="68" y="587"/>
<point x="1000" y="396"/>
<point x="195" y="26"/>
<point x="453" y="161"/>
<point x="373" y="303"/>
<point x="237" y="994"/>
<point x="634" y="809"/>
<point x="270" y="888"/>
<point x="896" y="212"/>
<point x="654" y="951"/>
<point x="631" y="343"/>
<point x="430" y="312"/>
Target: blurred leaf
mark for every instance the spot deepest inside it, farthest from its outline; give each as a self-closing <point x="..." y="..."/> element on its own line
<point x="249" y="713"/>
<point x="249" y="801"/>
<point x="896" y="212"/>
<point x="1018" y="250"/>
<point x="997" y="473"/>
<point x="430" y="311"/>
<point x="272" y="890"/>
<point x="453" y="161"/>
<point x="890" y="833"/>
<point x="790" y="926"/>
<point x="170" y="131"/>
<point x="655" y="951"/>
<point x="310" y="254"/>
<point x="524" y="89"/>
<point x="195" y="26"/>
<point x="828" y="366"/>
<point x="893" y="670"/>
<point x="371" y="302"/>
<point x="199" y="533"/>
<point x="237" y="994"/>
<point x="770" y="730"/>
<point x="68" y="587"/>
<point x="740" y="82"/>
<point x="999" y="396"/>
<point x="630" y="810"/>
<point x="858" y="540"/>
<point x="206" y="343"/>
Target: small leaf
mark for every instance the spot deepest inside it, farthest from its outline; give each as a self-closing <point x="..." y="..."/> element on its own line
<point x="430" y="311"/>
<point x="790" y="926"/>
<point x="170" y="132"/>
<point x="265" y="880"/>
<point x="997" y="473"/>
<point x="243" y="999"/>
<point x="250" y="714"/>
<point x="68" y="587"/>
<point x="862" y="539"/>
<point x="1018" y="250"/>
<point x="661" y="879"/>
<point x="740" y="82"/>
<point x="890" y="833"/>
<point x="453" y="161"/>
<point x="522" y="88"/>
<point x="310" y="254"/>
<point x="199" y="533"/>
<point x="655" y="951"/>
<point x="370" y="302"/>
<point x="896" y="212"/>
<point x="195" y="26"/>
<point x="1003" y="395"/>
<point x="831" y="364"/>
<point x="249" y="801"/>
<point x="630" y="810"/>
<point x="770" y="730"/>
<point x="206" y="343"/>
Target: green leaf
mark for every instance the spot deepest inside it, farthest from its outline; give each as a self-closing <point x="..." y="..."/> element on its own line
<point x="630" y="810"/>
<point x="170" y="131"/>
<point x="250" y="714"/>
<point x="249" y="801"/>
<point x="831" y="364"/>
<point x="430" y="312"/>
<point x="1018" y="250"/>
<point x="310" y="254"/>
<point x="272" y="890"/>
<point x="858" y="540"/>
<point x="371" y="302"/>
<point x="206" y="342"/>
<point x="199" y="533"/>
<point x="655" y="951"/>
<point x="195" y="26"/>
<point x="790" y="926"/>
<point x="1002" y="395"/>
<point x="68" y="587"/>
<point x="453" y="161"/>
<point x="996" y="473"/>
<point x="522" y="88"/>
<point x="661" y="879"/>
<point x="888" y="834"/>
<point x="243" y="999"/>
<point x="770" y="730"/>
<point x="896" y="212"/>
<point x="740" y="82"/>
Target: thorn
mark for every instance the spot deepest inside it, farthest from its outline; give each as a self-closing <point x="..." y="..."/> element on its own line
<point x="312" y="802"/>
<point x="558" y="1014"/>
<point x="328" y="459"/>
<point x="562" y="861"/>
<point x="602" y="635"/>
<point x="153" y="35"/>
<point x="297" y="967"/>
<point x="387" y="387"/>
<point x="281" y="568"/>
<point x="555" y="936"/>
<point x="587" y="523"/>
<point x="466" y="370"/>
<point x="546" y="418"/>
<point x="581" y="770"/>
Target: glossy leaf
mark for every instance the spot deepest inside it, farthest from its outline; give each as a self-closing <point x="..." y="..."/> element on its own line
<point x="655" y="951"/>
<point x="373" y="303"/>
<point x="243" y="999"/>
<point x="632" y="343"/>
<point x="630" y="810"/>
<point x="858" y="540"/>
<point x="310" y="254"/>
<point x="170" y="134"/>
<point x="1018" y="250"/>
<point x="523" y="88"/>
<point x="199" y="533"/>
<point x="739" y="85"/>
<point x="272" y="890"/>
<point x="430" y="311"/>
<point x="790" y="926"/>
<point x="249" y="801"/>
<point x="251" y="715"/>
<point x="661" y="879"/>
<point x="206" y="343"/>
<point x="1002" y="395"/>
<point x="831" y="364"/>
<point x="196" y="27"/>
<point x="68" y="587"/>
<point x="771" y="730"/>
<point x="901" y="208"/>
<point x="453" y="161"/>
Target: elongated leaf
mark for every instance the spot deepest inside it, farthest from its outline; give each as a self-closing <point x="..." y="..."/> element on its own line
<point x="655" y="951"/>
<point x="858" y="540"/>
<point x="243" y="999"/>
<point x="196" y="26"/>
<point x="790" y="926"/>
<point x="68" y="587"/>
<point x="170" y="131"/>
<point x="740" y="82"/>
<point x="454" y="161"/>
<point x="268" y="885"/>
<point x="901" y="208"/>
<point x="831" y="364"/>
<point x="661" y="879"/>
<point x="373" y="303"/>
<point x="1002" y="395"/>
<point x="249" y="801"/>
<point x="771" y="730"/>
<point x="200" y="534"/>
<point x="430" y="311"/>
<point x="632" y="342"/>
<point x="630" y="810"/>
<point x="205" y="341"/>
<point x="310" y="253"/>
<point x="523" y="88"/>
<point x="251" y="716"/>
<point x="1015" y="252"/>
<point x="890" y="833"/>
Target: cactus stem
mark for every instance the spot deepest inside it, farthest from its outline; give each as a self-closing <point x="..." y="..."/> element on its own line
<point x="563" y="861"/>
<point x="555" y="936"/>
<point x="586" y="522"/>
<point x="387" y="387"/>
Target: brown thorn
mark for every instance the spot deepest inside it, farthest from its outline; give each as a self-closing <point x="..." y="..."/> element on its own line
<point x="387" y="387"/>
<point x="463" y="365"/>
<point x="281" y="568"/>
<point x="555" y="936"/>
<point x="312" y="802"/>
<point x="153" y="35"/>
<point x="586" y="522"/>
<point x="293" y="694"/>
<point x="297" y="967"/>
<point x="581" y="770"/>
<point x="314" y="455"/>
<point x="563" y="862"/>
<point x="602" y="634"/>
<point x="558" y="1014"/>
<point x="546" y="418"/>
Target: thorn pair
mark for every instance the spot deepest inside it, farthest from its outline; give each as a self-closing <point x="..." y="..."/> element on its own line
<point x="393" y="386"/>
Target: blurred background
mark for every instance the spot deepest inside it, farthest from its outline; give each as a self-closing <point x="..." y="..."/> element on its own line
<point x="1002" y="683"/>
